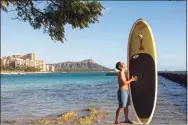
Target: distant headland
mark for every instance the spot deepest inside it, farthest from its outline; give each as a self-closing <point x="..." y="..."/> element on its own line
<point x="25" y="63"/>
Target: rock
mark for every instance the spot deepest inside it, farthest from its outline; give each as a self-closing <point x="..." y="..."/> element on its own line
<point x="97" y="121"/>
<point x="9" y="121"/>
<point x="65" y="118"/>
<point x="178" y="78"/>
<point x="112" y="74"/>
<point x="92" y="117"/>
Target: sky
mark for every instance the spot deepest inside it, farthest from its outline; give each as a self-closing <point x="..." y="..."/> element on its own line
<point x="105" y="42"/>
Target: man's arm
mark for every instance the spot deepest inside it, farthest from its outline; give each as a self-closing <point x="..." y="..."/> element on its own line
<point x="123" y="79"/>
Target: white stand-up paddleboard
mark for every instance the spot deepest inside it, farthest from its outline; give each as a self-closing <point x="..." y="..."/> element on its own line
<point x="142" y="62"/>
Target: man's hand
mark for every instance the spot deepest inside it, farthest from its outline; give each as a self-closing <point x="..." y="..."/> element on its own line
<point x="134" y="78"/>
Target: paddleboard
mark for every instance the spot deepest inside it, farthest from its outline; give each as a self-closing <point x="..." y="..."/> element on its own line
<point x="142" y="62"/>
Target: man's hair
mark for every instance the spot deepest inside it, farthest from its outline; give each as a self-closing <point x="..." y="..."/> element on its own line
<point x="118" y="65"/>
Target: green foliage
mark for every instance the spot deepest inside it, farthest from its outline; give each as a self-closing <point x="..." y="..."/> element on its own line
<point x="21" y="68"/>
<point x="32" y="69"/>
<point x="5" y="3"/>
<point x="55" y="14"/>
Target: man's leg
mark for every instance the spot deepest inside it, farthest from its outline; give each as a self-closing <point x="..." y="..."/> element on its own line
<point x="126" y="112"/>
<point x="126" y="103"/>
<point x="118" y="111"/>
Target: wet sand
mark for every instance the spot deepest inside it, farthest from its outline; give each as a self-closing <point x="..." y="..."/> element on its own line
<point x="164" y="114"/>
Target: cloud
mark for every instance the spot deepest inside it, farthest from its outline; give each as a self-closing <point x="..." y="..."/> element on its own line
<point x="106" y="10"/>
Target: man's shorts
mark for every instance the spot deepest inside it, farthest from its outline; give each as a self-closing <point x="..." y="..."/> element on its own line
<point x="123" y="98"/>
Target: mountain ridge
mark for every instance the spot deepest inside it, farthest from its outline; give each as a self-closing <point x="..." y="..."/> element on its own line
<point x="76" y="66"/>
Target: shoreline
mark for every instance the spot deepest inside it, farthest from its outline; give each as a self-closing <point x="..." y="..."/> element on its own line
<point x="84" y="116"/>
<point x="23" y="73"/>
<point x="97" y="116"/>
<point x="20" y="73"/>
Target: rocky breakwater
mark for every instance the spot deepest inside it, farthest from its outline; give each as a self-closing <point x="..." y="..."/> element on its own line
<point x="175" y="77"/>
<point x="112" y="74"/>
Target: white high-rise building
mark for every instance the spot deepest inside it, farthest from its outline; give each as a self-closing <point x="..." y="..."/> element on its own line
<point x="28" y="60"/>
<point x="50" y="68"/>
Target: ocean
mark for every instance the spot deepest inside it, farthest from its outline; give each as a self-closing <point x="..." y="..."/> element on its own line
<point x="35" y="96"/>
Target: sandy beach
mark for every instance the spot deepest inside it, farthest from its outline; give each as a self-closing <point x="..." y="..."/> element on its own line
<point x="101" y="116"/>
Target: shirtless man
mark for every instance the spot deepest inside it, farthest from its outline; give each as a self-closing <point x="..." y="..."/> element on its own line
<point x="123" y="92"/>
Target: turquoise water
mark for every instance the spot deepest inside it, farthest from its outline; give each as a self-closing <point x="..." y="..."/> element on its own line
<point x="37" y="95"/>
<point x="34" y="96"/>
